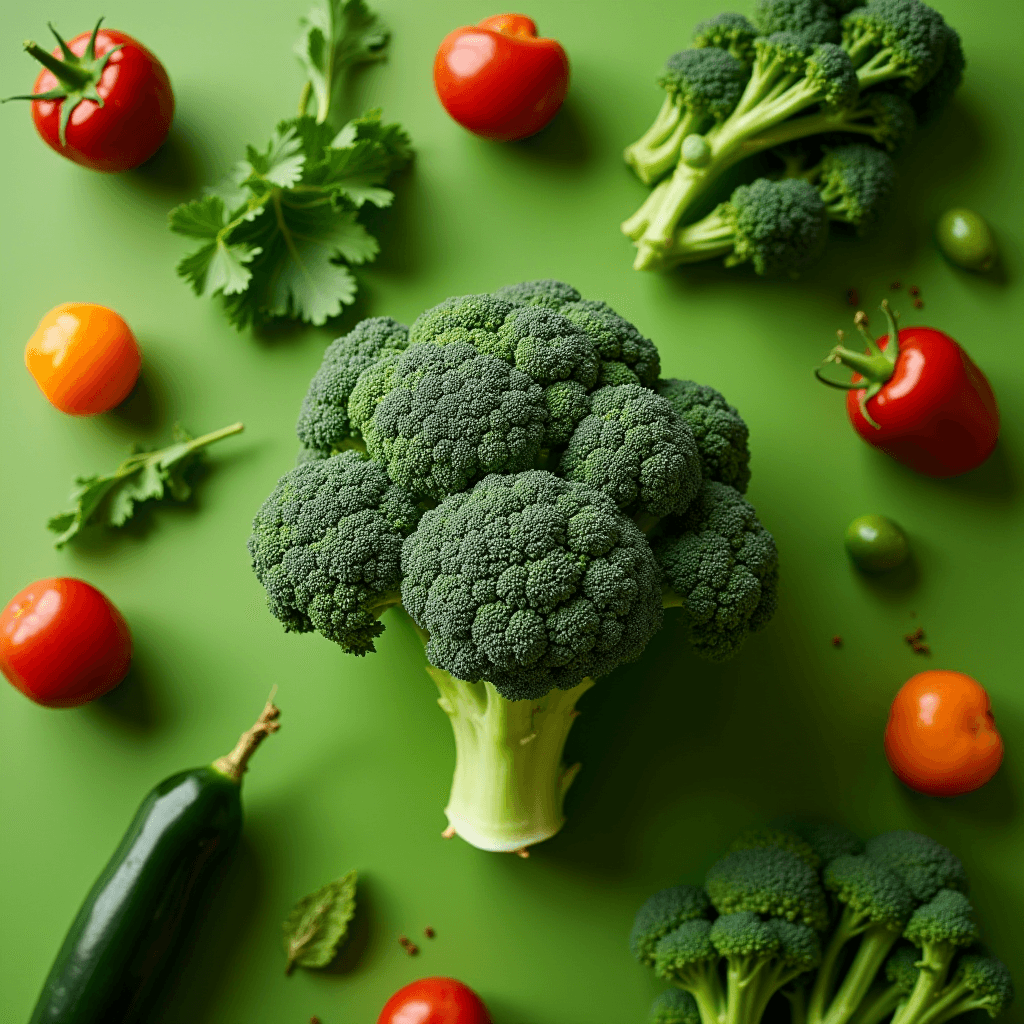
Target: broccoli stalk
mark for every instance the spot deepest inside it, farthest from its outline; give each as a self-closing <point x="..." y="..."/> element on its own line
<point x="510" y="781"/>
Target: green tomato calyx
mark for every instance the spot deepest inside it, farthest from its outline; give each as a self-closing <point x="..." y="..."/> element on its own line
<point x="876" y="366"/>
<point x="77" y="76"/>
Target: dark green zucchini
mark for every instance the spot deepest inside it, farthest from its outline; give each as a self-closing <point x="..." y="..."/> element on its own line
<point x="127" y="931"/>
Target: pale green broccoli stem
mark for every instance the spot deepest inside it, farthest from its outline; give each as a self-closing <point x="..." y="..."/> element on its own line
<point x="877" y="1008"/>
<point x="510" y="781"/>
<point x="656" y="152"/>
<point x="797" y="997"/>
<point x="636" y="225"/>
<point x="704" y="984"/>
<point x="745" y="1002"/>
<point x="933" y="969"/>
<point x="954" y="1000"/>
<point x="712" y="236"/>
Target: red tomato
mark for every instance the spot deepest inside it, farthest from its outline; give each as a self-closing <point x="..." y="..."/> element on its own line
<point x="941" y="738"/>
<point x="84" y="358"/>
<point x="498" y="79"/>
<point x="62" y="643"/>
<point x="434" y="1001"/>
<point x="106" y="101"/>
<point x="929" y="406"/>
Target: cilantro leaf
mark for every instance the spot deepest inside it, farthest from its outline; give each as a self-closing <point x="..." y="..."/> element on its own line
<point x="318" y="923"/>
<point x="144" y="476"/>
<point x="337" y="34"/>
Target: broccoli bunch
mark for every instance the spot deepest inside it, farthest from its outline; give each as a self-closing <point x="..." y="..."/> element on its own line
<point x="513" y="473"/>
<point x="845" y="932"/>
<point x="807" y="69"/>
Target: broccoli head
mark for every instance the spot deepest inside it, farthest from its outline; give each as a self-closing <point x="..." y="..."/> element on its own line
<point x="828" y="841"/>
<point x="930" y="100"/>
<point x="721" y="565"/>
<point x="674" y="1006"/>
<point x="727" y="31"/>
<point x="856" y="182"/>
<point x="544" y="292"/>
<point x="767" y="880"/>
<point x="718" y="429"/>
<point x="663" y="912"/>
<point x="687" y="958"/>
<point x="922" y="864"/>
<point x="327" y="546"/>
<point x="868" y="892"/>
<point x="980" y="982"/>
<point x="813" y="20"/>
<point x="772" y="837"/>
<point x="945" y="921"/>
<point x="531" y="582"/>
<point x="637" y="450"/>
<point x="619" y="345"/>
<point x="323" y="420"/>
<point x="450" y="416"/>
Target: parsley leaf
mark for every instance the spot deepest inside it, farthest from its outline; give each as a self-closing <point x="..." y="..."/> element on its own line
<point x="144" y="476"/>
<point x="318" y="923"/>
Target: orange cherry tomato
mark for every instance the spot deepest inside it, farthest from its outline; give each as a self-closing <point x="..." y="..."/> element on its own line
<point x="941" y="738"/>
<point x="84" y="358"/>
<point x="62" y="643"/>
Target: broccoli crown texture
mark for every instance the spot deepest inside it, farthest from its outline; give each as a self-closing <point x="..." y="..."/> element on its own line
<point x="685" y="952"/>
<point x="719" y="430"/>
<point x="924" y="865"/>
<point x="674" y="1006"/>
<point x="663" y="912"/>
<point x="826" y="840"/>
<point x="887" y="117"/>
<point x="544" y="292"/>
<point x="534" y="339"/>
<point x="781" y="53"/>
<point x="856" y="183"/>
<point x="727" y="31"/>
<point x="706" y="81"/>
<point x="767" y="880"/>
<point x="813" y="20"/>
<point x="799" y="945"/>
<point x="326" y="545"/>
<point x="323" y="419"/>
<point x="617" y="342"/>
<point x="985" y="981"/>
<point x="830" y="71"/>
<point x="778" y="225"/>
<point x="946" y="919"/>
<point x="451" y="415"/>
<point x="903" y="39"/>
<point x="870" y="891"/>
<point x="723" y="565"/>
<point x="901" y="967"/>
<point x="743" y="934"/>
<point x="567" y="402"/>
<point x="636" y="449"/>
<point x="761" y="838"/>
<point x="531" y="582"/>
<point x="930" y="100"/>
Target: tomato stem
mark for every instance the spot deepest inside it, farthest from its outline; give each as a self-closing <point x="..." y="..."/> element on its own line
<point x="75" y="78"/>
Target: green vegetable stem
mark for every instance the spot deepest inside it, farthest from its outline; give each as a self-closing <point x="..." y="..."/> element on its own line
<point x="280" y="233"/>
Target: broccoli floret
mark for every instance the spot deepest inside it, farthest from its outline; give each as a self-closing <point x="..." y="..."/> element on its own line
<point x="761" y="838"/>
<point x="701" y="86"/>
<point x="856" y="182"/>
<point x="305" y="454"/>
<point x="620" y="346"/>
<point x="327" y="546"/>
<point x="635" y="448"/>
<point x="767" y="880"/>
<point x="567" y="402"/>
<point x="663" y="912"/>
<point x="826" y="840"/>
<point x="980" y="982"/>
<point x="450" y="416"/>
<point x="930" y="100"/>
<point x="922" y="864"/>
<point x="721" y="435"/>
<point x="730" y="32"/>
<point x="814" y="20"/>
<point x="875" y="906"/>
<point x="531" y="582"/>
<point x="544" y="292"/>
<point x="775" y="225"/>
<point x="687" y="958"/>
<point x="674" y="1006"/>
<point x="895" y="40"/>
<point x="323" y="419"/>
<point x="721" y="565"/>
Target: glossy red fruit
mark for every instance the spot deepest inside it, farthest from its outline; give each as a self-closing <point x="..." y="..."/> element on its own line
<point x="62" y="643"/>
<point x="941" y="738"/>
<point x="928" y="406"/>
<point x="434" y="1001"/>
<point x="104" y="100"/>
<point x="498" y="79"/>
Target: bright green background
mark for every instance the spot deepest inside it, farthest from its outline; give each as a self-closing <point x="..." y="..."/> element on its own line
<point x="679" y="755"/>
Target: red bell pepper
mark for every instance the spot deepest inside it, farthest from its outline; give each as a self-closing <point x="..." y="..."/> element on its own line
<point x="917" y="395"/>
<point x="498" y="79"/>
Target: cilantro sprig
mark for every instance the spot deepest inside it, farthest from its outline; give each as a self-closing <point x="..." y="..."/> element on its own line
<point x="280" y="233"/>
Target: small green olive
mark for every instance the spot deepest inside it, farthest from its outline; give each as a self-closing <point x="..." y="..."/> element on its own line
<point x="966" y="240"/>
<point x="876" y="544"/>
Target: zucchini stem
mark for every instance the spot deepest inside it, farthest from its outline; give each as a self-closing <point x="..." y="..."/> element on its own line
<point x="234" y="765"/>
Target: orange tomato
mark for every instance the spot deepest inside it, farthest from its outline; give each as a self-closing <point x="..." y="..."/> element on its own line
<point x="84" y="358"/>
<point x="941" y="738"/>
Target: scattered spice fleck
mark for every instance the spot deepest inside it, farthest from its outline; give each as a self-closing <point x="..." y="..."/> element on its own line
<point x="314" y="1020"/>
<point x="852" y="297"/>
<point x="914" y="290"/>
<point x="916" y="641"/>
<point x="429" y="932"/>
<point x="837" y="641"/>
<point x="918" y="304"/>
<point x="895" y="286"/>
<point x="408" y="945"/>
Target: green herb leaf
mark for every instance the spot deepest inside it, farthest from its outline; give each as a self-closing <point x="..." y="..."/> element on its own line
<point x="318" y="923"/>
<point x="143" y="476"/>
<point x="337" y="34"/>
